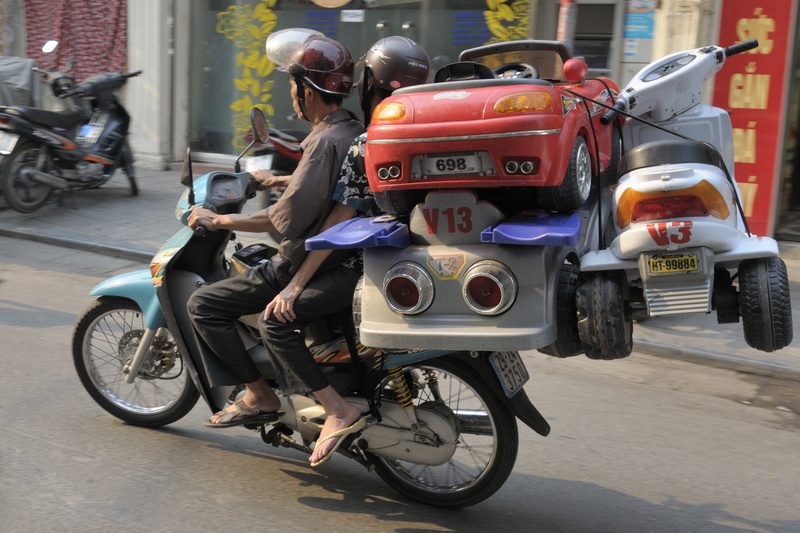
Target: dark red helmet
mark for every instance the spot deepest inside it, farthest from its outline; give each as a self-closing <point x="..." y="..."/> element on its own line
<point x="325" y="65"/>
<point x="397" y="62"/>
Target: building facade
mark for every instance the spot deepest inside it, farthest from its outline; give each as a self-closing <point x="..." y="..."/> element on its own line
<point x="204" y="62"/>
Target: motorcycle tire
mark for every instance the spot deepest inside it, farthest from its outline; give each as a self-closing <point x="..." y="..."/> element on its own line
<point x="105" y="338"/>
<point x="765" y="304"/>
<point x="23" y="194"/>
<point x="605" y="321"/>
<point x="399" y="203"/>
<point x="574" y="190"/>
<point x="568" y="342"/>
<point x="611" y="174"/>
<point x="485" y="455"/>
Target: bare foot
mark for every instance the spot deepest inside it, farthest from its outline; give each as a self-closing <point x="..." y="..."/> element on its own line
<point x="333" y="423"/>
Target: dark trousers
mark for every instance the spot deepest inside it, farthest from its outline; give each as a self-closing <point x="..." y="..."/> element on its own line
<point x="215" y="308"/>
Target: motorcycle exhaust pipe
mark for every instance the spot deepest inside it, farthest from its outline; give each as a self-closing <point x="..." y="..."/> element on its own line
<point x="44" y="178"/>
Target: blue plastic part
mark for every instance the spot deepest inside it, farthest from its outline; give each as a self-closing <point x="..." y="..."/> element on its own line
<point x="543" y="229"/>
<point x="362" y="233"/>
<point x="136" y="286"/>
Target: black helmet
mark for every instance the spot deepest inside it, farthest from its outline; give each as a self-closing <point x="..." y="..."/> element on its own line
<point x="397" y="62"/>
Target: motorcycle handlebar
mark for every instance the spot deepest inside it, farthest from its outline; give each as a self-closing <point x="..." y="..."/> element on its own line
<point x="79" y="89"/>
<point x="738" y="48"/>
<point x="609" y="115"/>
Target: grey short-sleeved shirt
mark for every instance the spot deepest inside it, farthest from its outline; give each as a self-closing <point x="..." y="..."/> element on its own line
<point x="307" y="198"/>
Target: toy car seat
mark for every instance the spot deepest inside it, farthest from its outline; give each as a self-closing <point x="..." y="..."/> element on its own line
<point x="463" y="70"/>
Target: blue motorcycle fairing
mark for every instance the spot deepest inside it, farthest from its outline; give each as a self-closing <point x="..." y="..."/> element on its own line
<point x="136" y="286"/>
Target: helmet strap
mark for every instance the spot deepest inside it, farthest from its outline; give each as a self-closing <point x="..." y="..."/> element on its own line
<point x="366" y="95"/>
<point x="301" y="96"/>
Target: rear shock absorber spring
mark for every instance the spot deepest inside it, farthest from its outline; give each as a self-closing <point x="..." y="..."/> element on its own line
<point x="399" y="385"/>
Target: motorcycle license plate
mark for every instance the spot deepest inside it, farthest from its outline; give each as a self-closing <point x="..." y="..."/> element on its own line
<point x="7" y="142"/>
<point x="451" y="165"/>
<point x="673" y="263"/>
<point x="510" y="371"/>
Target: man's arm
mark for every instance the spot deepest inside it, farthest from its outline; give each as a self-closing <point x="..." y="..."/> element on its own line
<point x="281" y="305"/>
<point x="255" y="222"/>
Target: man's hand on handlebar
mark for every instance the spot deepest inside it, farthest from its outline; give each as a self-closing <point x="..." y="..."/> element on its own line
<point x="200" y="216"/>
<point x="266" y="179"/>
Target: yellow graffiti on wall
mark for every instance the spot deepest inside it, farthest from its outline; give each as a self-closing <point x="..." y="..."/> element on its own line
<point x="249" y="27"/>
<point x="507" y="20"/>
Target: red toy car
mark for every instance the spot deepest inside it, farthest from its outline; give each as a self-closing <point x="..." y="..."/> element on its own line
<point x="505" y="116"/>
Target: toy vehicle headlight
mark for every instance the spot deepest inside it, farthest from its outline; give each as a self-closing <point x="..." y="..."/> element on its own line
<point x="522" y="102"/>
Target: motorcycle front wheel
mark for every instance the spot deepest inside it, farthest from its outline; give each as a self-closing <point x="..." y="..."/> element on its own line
<point x="22" y="193"/>
<point x="487" y="443"/>
<point x="105" y="339"/>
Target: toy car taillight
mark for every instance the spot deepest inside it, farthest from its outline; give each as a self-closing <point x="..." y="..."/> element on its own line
<point x="389" y="111"/>
<point x="408" y="288"/>
<point x="522" y="102"/>
<point x="489" y="288"/>
<point x="700" y="200"/>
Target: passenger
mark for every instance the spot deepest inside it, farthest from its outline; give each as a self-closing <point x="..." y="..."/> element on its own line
<point x="391" y="63"/>
<point x="321" y="75"/>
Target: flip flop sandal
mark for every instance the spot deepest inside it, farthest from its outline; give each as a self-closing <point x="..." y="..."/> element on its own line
<point x="358" y="425"/>
<point x="243" y="414"/>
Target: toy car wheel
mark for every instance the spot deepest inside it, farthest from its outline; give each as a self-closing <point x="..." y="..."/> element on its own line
<point x="610" y="175"/>
<point x="765" y="304"/>
<point x="398" y="202"/>
<point x="605" y="323"/>
<point x="568" y="342"/>
<point x="574" y="190"/>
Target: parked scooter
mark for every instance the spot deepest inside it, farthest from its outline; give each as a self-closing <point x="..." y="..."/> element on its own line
<point x="66" y="150"/>
<point x="677" y="240"/>
<point x="441" y="424"/>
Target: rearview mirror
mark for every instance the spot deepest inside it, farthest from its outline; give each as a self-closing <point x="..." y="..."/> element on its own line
<point x="187" y="180"/>
<point x="258" y="122"/>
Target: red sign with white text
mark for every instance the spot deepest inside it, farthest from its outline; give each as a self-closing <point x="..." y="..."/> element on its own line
<point x="751" y="86"/>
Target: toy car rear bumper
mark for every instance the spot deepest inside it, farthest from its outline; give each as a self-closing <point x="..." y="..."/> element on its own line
<point x="748" y="248"/>
<point x="449" y="324"/>
<point x="520" y="139"/>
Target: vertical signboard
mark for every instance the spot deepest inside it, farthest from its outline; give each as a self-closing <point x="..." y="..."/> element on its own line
<point x="753" y="88"/>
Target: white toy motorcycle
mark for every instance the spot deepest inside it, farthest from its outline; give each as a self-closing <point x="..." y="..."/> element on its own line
<point x="675" y="240"/>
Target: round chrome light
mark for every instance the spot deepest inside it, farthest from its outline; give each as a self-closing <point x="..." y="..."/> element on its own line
<point x="408" y="288"/>
<point x="489" y="288"/>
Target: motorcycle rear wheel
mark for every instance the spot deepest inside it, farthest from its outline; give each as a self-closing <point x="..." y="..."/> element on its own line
<point x="484" y="456"/>
<point x="106" y="337"/>
<point x="23" y="194"/>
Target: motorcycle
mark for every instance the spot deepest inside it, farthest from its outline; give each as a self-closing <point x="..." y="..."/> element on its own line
<point x="677" y="239"/>
<point x="441" y="424"/>
<point x="79" y="148"/>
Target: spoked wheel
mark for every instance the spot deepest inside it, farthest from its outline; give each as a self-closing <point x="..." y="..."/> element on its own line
<point x="605" y="321"/>
<point x="487" y="444"/>
<point x="574" y="190"/>
<point x="105" y="340"/>
<point x="765" y="304"/>
<point x="22" y="193"/>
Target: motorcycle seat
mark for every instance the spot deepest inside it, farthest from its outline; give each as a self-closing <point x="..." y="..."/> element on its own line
<point x="671" y="152"/>
<point x="51" y="119"/>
